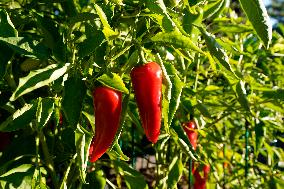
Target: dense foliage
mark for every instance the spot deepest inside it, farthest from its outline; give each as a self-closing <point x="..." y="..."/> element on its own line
<point x="222" y="66"/>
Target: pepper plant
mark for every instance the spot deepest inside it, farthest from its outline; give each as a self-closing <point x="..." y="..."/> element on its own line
<point x="218" y="63"/>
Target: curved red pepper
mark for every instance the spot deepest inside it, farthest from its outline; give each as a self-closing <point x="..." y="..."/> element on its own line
<point x="192" y="135"/>
<point x="147" y="84"/>
<point x="107" y="107"/>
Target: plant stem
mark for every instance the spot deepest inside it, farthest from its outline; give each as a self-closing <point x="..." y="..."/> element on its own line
<point x="189" y="173"/>
<point x="49" y="162"/>
<point x="67" y="172"/>
<point x="246" y="155"/>
<point x="197" y="72"/>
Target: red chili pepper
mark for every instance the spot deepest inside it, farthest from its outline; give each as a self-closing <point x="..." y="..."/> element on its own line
<point x="190" y="129"/>
<point x="199" y="182"/>
<point x="206" y="170"/>
<point x="5" y="140"/>
<point x="147" y="84"/>
<point x="60" y="119"/>
<point x="107" y="108"/>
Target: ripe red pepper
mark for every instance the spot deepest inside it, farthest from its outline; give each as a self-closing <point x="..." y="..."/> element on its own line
<point x="107" y="108"/>
<point x="190" y="129"/>
<point x="147" y="84"/>
<point x="5" y="140"/>
<point x="199" y="182"/>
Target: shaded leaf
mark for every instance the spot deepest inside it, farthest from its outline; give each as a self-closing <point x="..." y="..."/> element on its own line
<point x="203" y="110"/>
<point x="52" y="37"/>
<point x="275" y="94"/>
<point x="241" y="93"/>
<point x="73" y="95"/>
<point x="89" y="45"/>
<point x="259" y="135"/>
<point x="133" y="178"/>
<point x="175" y="172"/>
<point x="7" y="29"/>
<point x="20" y="118"/>
<point x="44" y="111"/>
<point x="18" y="177"/>
<point x="26" y="47"/>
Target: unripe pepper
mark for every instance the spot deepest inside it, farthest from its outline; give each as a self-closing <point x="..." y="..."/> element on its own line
<point x="190" y="129"/>
<point x="107" y="108"/>
<point x="147" y="85"/>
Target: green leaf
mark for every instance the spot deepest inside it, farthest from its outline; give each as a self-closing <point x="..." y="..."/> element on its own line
<point x="44" y="111"/>
<point x="52" y="37"/>
<point x="216" y="50"/>
<point x="233" y="28"/>
<point x="131" y="61"/>
<point x="73" y="95"/>
<point x="259" y="136"/>
<point x="274" y="94"/>
<point x="279" y="183"/>
<point x="160" y="13"/>
<point x="89" y="45"/>
<point x="96" y="180"/>
<point x="82" y="141"/>
<point x="134" y="115"/>
<point x="241" y="93"/>
<point x="18" y="177"/>
<point x="116" y="152"/>
<point x="257" y="15"/>
<point x="7" y="29"/>
<point x="20" y="169"/>
<point x="70" y="7"/>
<point x="181" y="134"/>
<point x="123" y="115"/>
<point x="274" y="106"/>
<point x="176" y="39"/>
<point x="179" y="137"/>
<point x="176" y="90"/>
<point x="26" y="46"/>
<point x="114" y="81"/>
<point x="212" y="88"/>
<point x="203" y="109"/>
<point x="20" y="118"/>
<point x="39" y="78"/>
<point x="107" y="30"/>
<point x="82" y="17"/>
<point x="212" y="10"/>
<point x="192" y="17"/>
<point x="91" y="119"/>
<point x="175" y="172"/>
<point x="166" y="91"/>
<point x="133" y="178"/>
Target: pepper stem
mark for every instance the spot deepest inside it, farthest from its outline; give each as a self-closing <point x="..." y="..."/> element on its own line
<point x="142" y="56"/>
